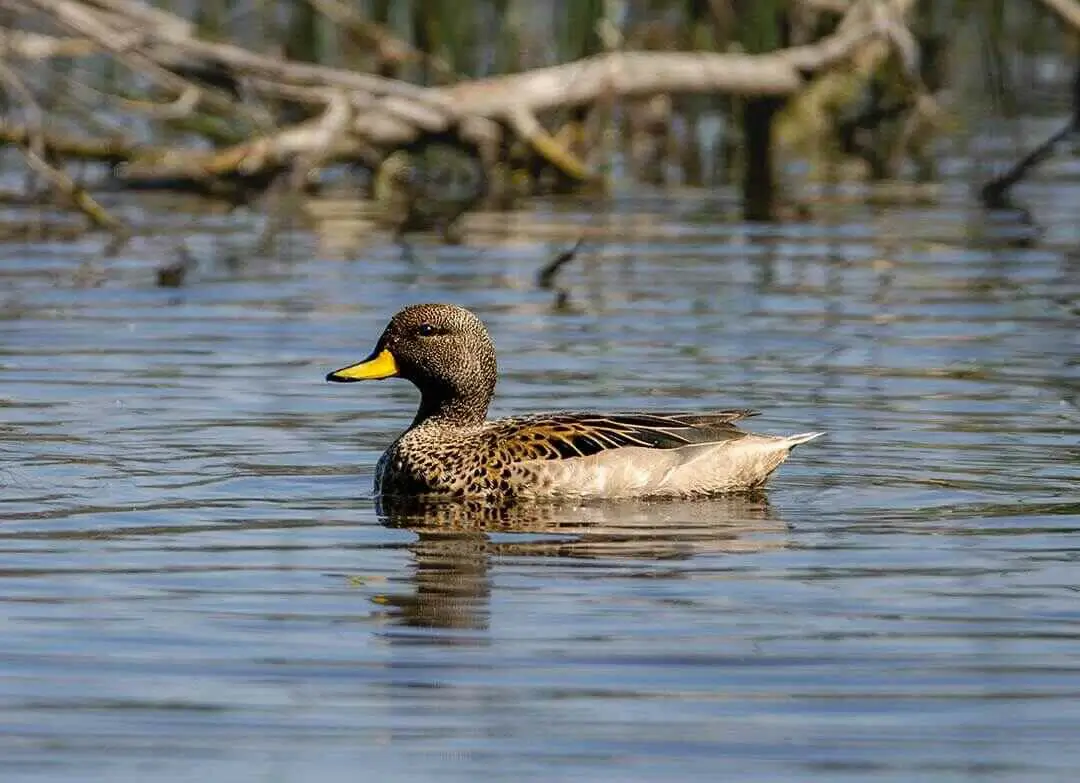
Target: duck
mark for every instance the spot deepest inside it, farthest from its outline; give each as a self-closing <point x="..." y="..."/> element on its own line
<point x="451" y="448"/>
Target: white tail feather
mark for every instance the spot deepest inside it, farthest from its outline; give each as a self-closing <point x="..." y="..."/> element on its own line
<point x="791" y="441"/>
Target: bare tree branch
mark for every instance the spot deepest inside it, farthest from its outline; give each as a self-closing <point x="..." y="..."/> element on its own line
<point x="34" y="46"/>
<point x="385" y="113"/>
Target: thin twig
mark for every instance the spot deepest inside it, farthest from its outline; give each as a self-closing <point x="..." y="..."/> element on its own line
<point x="545" y="279"/>
<point x="994" y="194"/>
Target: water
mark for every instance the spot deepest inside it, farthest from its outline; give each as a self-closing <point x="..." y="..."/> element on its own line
<point x="195" y="582"/>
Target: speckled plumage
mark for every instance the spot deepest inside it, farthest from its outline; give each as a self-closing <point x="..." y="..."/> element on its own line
<point x="450" y="449"/>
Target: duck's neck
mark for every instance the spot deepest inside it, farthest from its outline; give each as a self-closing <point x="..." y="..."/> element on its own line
<point x="452" y="407"/>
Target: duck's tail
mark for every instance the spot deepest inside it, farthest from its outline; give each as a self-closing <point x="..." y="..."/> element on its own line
<point x="791" y="441"/>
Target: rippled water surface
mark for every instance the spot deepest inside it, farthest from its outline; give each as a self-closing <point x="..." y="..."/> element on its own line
<point x="195" y="582"/>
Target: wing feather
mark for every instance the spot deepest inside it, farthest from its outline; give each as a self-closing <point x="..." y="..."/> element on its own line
<point x="567" y="435"/>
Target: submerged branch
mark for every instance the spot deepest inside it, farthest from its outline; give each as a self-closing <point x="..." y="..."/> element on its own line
<point x="995" y="194"/>
<point x="546" y="278"/>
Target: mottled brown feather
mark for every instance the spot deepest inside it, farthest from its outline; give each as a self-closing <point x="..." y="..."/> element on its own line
<point x="565" y="435"/>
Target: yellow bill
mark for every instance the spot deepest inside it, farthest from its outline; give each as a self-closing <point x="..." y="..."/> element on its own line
<point x="379" y="365"/>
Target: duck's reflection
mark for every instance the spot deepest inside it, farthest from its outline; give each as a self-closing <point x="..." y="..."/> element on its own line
<point x="456" y="541"/>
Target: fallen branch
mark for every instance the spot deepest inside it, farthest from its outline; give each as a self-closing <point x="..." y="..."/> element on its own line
<point x="626" y="75"/>
<point x="206" y="80"/>
<point x="56" y="145"/>
<point x="77" y="195"/>
<point x="33" y="46"/>
<point x="525" y="124"/>
<point x="327" y="138"/>
<point x="615" y="74"/>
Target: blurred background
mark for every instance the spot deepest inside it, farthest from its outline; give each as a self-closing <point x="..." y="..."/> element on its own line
<point x="857" y="217"/>
<point x="245" y="103"/>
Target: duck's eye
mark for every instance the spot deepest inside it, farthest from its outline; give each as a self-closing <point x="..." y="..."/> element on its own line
<point x="427" y="330"/>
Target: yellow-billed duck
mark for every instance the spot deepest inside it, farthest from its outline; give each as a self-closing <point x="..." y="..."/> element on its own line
<point x="452" y="449"/>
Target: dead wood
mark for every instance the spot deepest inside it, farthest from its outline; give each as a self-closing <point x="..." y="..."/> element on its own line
<point x="361" y="117"/>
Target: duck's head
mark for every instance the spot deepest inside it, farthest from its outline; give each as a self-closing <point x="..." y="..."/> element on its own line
<point x="444" y="350"/>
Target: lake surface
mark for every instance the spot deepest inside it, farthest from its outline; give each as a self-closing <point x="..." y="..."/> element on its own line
<point x="195" y="582"/>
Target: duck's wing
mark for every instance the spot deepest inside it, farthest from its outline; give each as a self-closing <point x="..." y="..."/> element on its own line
<point x="569" y="435"/>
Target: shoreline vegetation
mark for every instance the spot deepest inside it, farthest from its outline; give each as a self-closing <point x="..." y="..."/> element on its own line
<point x="432" y="109"/>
